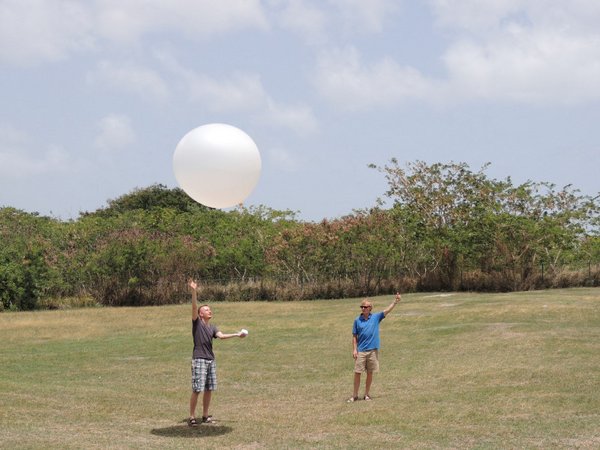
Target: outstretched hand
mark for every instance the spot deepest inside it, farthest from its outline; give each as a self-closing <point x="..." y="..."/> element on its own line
<point x="193" y="285"/>
<point x="398" y="297"/>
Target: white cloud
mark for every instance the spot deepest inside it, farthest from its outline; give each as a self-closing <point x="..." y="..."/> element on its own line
<point x="298" y="118"/>
<point x="529" y="51"/>
<point x="245" y="92"/>
<point x="36" y="31"/>
<point x="520" y="51"/>
<point x="482" y="18"/>
<point x="128" y="77"/>
<point x="352" y="84"/>
<point x="365" y="15"/>
<point x="321" y="21"/>
<point x="17" y="163"/>
<point x="128" y="20"/>
<point x="239" y="92"/>
<point x="473" y="15"/>
<point x="304" y="19"/>
<point x="116" y="133"/>
<point x="528" y="65"/>
<point x="18" y="158"/>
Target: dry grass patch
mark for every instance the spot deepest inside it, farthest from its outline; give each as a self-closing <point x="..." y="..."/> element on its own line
<point x="490" y="371"/>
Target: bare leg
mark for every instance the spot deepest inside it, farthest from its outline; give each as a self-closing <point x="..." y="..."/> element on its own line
<point x="356" y="384"/>
<point x="368" y="383"/>
<point x="206" y="403"/>
<point x="193" y="403"/>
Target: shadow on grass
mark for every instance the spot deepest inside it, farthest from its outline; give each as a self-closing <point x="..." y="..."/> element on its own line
<point x="184" y="430"/>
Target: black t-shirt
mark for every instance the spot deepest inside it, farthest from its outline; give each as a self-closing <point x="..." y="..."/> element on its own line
<point x="203" y="335"/>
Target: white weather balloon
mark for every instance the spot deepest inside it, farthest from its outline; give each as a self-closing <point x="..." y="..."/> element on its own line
<point x="217" y="165"/>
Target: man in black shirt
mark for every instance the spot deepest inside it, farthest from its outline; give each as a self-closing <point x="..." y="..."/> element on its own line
<point x="204" y="367"/>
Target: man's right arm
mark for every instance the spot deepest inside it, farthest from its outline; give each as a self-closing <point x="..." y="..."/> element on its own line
<point x="194" y="287"/>
<point x="354" y="346"/>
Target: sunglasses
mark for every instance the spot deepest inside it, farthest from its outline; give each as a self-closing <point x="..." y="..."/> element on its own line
<point x="363" y="307"/>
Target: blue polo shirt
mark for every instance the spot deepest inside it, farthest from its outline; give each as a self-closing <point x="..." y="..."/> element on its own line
<point x="367" y="331"/>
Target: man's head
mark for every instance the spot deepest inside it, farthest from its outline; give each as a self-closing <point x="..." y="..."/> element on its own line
<point x="365" y="307"/>
<point x="205" y="313"/>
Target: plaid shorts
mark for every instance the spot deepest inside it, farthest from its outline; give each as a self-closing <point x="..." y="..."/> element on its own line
<point x="204" y="375"/>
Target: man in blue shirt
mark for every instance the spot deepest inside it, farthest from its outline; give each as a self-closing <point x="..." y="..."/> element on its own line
<point x="365" y="343"/>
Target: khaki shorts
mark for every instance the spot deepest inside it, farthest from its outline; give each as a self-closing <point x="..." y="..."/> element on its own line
<point x="367" y="362"/>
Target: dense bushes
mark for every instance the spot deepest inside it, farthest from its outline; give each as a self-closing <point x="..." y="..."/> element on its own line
<point x="26" y="266"/>
<point x="447" y="228"/>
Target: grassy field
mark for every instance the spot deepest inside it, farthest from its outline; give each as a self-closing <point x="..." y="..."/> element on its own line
<point x="480" y="371"/>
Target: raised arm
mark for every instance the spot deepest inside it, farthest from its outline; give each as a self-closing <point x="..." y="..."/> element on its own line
<point x="194" y="288"/>
<point x="387" y="310"/>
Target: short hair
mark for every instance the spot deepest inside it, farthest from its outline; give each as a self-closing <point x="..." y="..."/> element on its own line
<point x="366" y="302"/>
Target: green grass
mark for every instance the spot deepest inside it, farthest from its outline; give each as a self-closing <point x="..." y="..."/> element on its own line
<point x="480" y="371"/>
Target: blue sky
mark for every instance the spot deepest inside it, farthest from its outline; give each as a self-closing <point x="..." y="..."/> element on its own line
<point x="96" y="94"/>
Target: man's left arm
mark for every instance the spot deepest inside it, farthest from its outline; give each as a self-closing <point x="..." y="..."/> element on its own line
<point x="231" y="335"/>
<point x="387" y="310"/>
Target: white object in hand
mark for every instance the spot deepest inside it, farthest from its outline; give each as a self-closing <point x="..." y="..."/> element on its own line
<point x="244" y="331"/>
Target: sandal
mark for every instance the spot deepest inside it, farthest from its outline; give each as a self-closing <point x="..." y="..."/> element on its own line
<point x="207" y="419"/>
<point x="352" y="399"/>
<point x="367" y="398"/>
<point x="192" y="422"/>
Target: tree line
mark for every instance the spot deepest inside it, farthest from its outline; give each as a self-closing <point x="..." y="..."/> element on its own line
<point x="445" y="228"/>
